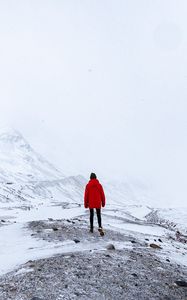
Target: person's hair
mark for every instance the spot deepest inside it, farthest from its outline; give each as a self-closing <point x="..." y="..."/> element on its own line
<point x="93" y="176"/>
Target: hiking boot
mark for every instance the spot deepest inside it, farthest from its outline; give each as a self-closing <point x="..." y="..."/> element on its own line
<point x="101" y="231"/>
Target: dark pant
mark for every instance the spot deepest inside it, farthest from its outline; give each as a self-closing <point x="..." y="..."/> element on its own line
<point x="98" y="211"/>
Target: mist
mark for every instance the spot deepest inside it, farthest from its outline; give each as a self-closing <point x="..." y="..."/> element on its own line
<point x="100" y="86"/>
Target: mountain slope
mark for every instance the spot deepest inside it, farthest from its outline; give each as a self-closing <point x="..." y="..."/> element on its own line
<point x="20" y="163"/>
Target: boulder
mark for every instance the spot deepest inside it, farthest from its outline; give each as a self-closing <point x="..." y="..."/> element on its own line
<point x="111" y="247"/>
<point x="76" y="241"/>
<point x="155" y="246"/>
<point x="181" y="283"/>
<point x="55" y="228"/>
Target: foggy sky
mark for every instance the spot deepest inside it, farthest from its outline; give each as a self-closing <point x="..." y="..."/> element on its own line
<point x="99" y="86"/>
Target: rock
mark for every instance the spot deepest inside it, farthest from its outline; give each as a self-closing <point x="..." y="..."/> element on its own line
<point x="50" y="219"/>
<point x="36" y="298"/>
<point x="13" y="288"/>
<point x="160" y="240"/>
<point x="147" y="239"/>
<point x="110" y="247"/>
<point x="107" y="255"/>
<point x="167" y="259"/>
<point x="181" y="283"/>
<point x="134" y="274"/>
<point x="133" y="242"/>
<point x="76" y="241"/>
<point x="155" y="246"/>
<point x="29" y="261"/>
<point x="3" y="221"/>
<point x="55" y="228"/>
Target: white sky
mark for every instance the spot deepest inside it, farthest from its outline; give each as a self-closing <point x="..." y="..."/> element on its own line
<point x="99" y="85"/>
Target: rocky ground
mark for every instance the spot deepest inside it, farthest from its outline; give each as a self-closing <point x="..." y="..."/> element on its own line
<point x="116" y="266"/>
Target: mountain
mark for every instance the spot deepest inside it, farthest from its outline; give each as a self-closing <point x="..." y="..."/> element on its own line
<point x="25" y="175"/>
<point x="20" y="163"/>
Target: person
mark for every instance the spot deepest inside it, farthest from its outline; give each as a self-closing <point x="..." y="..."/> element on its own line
<point x="94" y="198"/>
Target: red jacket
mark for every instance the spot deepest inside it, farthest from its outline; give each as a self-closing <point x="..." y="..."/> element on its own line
<point x="94" y="195"/>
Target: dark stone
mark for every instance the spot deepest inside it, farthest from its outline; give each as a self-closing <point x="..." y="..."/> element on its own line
<point x="36" y="298"/>
<point x="76" y="241"/>
<point x="110" y="247"/>
<point x="167" y="259"/>
<point x="55" y="228"/>
<point x="156" y="260"/>
<point x="155" y="246"/>
<point x="134" y="274"/>
<point x="133" y="242"/>
<point x="181" y="283"/>
<point x="160" y="240"/>
<point x="3" y="221"/>
<point x="147" y="239"/>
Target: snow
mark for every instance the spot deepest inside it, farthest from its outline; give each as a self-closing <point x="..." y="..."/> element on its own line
<point x="176" y="215"/>
<point x="137" y="228"/>
<point x="16" y="244"/>
<point x="47" y="193"/>
<point x="20" y="162"/>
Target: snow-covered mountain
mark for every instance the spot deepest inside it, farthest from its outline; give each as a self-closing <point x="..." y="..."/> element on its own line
<point x="20" y="163"/>
<point x="25" y="175"/>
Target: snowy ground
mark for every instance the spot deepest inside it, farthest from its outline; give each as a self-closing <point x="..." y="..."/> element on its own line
<point x="15" y="236"/>
<point x="85" y="268"/>
<point x="47" y="251"/>
<point x="25" y="237"/>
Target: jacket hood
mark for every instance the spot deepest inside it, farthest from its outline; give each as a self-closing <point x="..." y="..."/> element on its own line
<point x="93" y="182"/>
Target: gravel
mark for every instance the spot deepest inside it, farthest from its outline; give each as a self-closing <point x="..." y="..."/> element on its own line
<point x="132" y="273"/>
